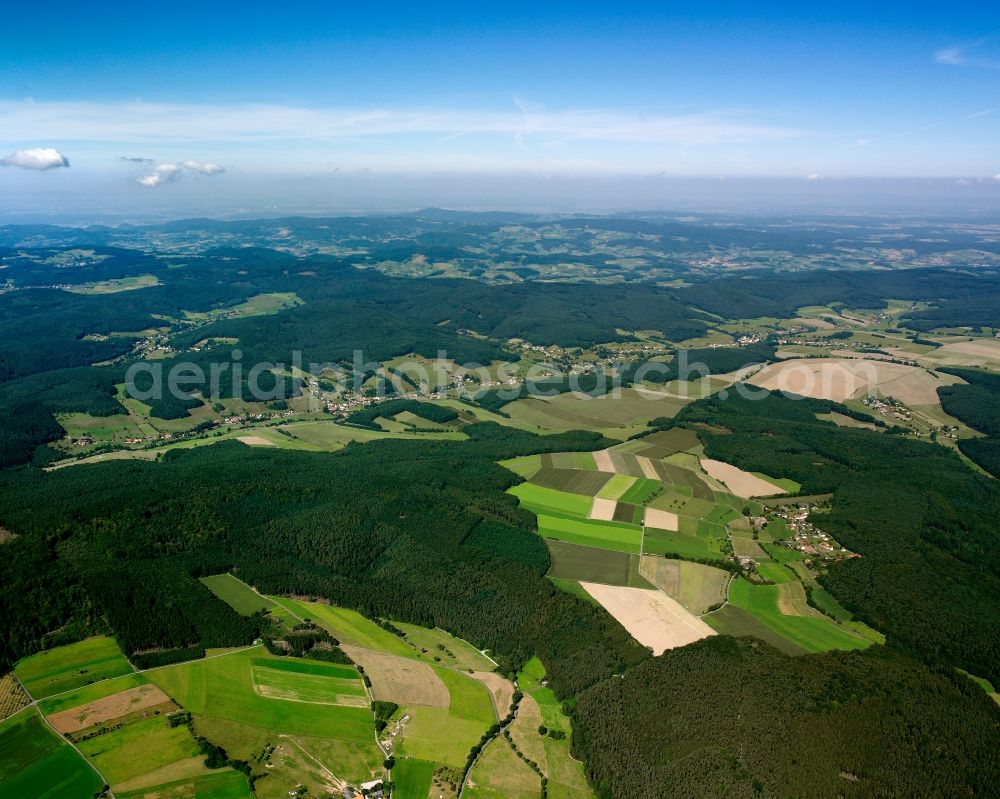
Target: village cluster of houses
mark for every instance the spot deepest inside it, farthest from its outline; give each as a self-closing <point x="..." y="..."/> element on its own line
<point x="807" y="538"/>
<point x="887" y="407"/>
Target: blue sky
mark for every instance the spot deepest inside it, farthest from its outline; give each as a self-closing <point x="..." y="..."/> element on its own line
<point x="809" y="91"/>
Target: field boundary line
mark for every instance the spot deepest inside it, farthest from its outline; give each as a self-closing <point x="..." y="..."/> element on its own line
<point x="729" y="585"/>
<point x="59" y="735"/>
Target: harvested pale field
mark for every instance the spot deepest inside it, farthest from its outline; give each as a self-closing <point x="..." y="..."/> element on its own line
<point x="401" y="680"/>
<point x="603" y="461"/>
<point x="820" y="378"/>
<point x="985" y="348"/>
<point x="741" y="483"/>
<point x="603" y="509"/>
<point x="648" y="470"/>
<point x="848" y="378"/>
<point x="983" y="353"/>
<point x="661" y="519"/>
<point x="141" y="697"/>
<point x="255" y="441"/>
<point x="501" y="690"/>
<point x="651" y="617"/>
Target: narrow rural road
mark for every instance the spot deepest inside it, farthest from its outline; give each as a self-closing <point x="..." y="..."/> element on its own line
<point x="503" y="726"/>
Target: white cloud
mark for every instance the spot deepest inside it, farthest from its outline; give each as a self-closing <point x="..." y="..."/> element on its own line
<point x="204" y="169"/>
<point x="168" y="173"/>
<point x="159" y="174"/>
<point x="996" y="178"/>
<point x="814" y="177"/>
<point x="38" y="158"/>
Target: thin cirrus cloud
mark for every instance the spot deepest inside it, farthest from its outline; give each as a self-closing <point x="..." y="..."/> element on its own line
<point x="970" y="55"/>
<point x="137" y="122"/>
<point x="39" y="159"/>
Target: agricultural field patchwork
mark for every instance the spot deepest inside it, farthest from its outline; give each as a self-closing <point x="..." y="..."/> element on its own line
<point x="642" y="532"/>
<point x="446" y="692"/>
<point x="35" y="763"/>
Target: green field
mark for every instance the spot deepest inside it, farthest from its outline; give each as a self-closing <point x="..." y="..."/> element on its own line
<point x="774" y="572"/>
<point x="604" y="535"/>
<point x="667" y="542"/>
<point x="311" y="682"/>
<point x="780" y="553"/>
<point x="243" y="599"/>
<point x="526" y="466"/>
<point x="72" y="666"/>
<point x="139" y="748"/>
<point x="575" y="562"/>
<point x="412" y="778"/>
<point x="826" y="602"/>
<point x="349" y="626"/>
<point x="36" y="764"/>
<point x="641" y="491"/>
<point x="226" y="784"/>
<point x="734" y="621"/>
<point x="223" y="687"/>
<point x="811" y="633"/>
<point x="433" y="734"/>
<point x="616" y="486"/>
<point x="539" y="499"/>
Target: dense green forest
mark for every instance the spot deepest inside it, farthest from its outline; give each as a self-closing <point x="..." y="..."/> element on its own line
<point x="978" y="405"/>
<point x="430" y="538"/>
<point x="736" y="718"/>
<point x="923" y="522"/>
<point x="365" y="417"/>
<point x="751" y="296"/>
